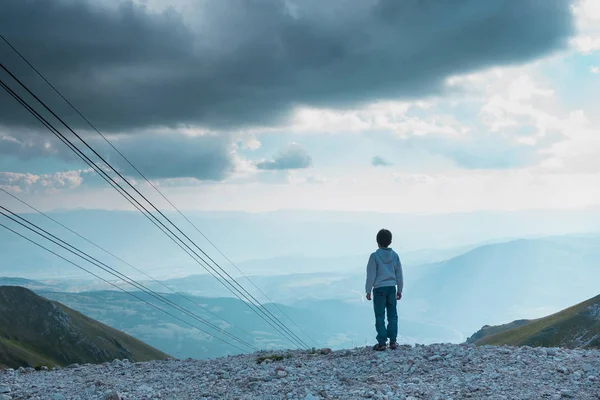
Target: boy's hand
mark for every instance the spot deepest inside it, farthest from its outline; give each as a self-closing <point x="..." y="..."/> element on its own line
<point x="369" y="296"/>
<point x="398" y="296"/>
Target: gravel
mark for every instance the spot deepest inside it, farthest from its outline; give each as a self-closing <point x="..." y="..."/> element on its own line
<point x="434" y="372"/>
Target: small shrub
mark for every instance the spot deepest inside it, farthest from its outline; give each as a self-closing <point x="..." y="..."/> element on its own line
<point x="272" y="357"/>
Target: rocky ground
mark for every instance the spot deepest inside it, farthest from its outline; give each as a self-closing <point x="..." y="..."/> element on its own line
<point x="421" y="372"/>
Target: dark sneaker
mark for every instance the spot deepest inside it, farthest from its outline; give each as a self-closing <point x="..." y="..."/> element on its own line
<point x="379" y="347"/>
<point x="393" y="345"/>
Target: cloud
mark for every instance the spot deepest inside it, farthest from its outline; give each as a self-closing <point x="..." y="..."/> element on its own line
<point x="234" y="63"/>
<point x="162" y="154"/>
<point x="587" y="14"/>
<point x="44" y="183"/>
<point x="27" y="144"/>
<point x="378" y="161"/>
<point x="176" y="155"/>
<point x="294" y="157"/>
<point x="595" y="70"/>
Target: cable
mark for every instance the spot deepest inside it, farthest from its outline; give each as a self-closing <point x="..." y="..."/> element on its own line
<point x="116" y="286"/>
<point x="123" y="261"/>
<point x="260" y="307"/>
<point x="72" y="249"/>
<point x="265" y="312"/>
<point x="150" y="183"/>
<point x="131" y="199"/>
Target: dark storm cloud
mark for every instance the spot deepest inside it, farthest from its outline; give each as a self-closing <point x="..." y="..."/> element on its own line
<point x="248" y="62"/>
<point x="294" y="157"/>
<point x="157" y="155"/>
<point x="163" y="156"/>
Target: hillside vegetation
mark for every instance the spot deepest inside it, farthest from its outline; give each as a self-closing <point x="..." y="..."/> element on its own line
<point x="574" y="327"/>
<point x="35" y="331"/>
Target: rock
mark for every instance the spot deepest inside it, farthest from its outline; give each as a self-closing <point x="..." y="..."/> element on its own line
<point x="325" y="351"/>
<point x="145" y="388"/>
<point x="551" y="352"/>
<point x="4" y="389"/>
<point x="44" y="368"/>
<point x="118" y="363"/>
<point x="73" y="366"/>
<point x="587" y="368"/>
<point x="281" y="374"/>
<point x="562" y="369"/>
<point x="568" y="394"/>
<point x="113" y="396"/>
<point x="473" y="373"/>
<point x="436" y="357"/>
<point x="5" y="397"/>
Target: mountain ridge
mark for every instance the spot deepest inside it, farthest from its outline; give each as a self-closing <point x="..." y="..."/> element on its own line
<point x="37" y="331"/>
<point x="574" y="327"/>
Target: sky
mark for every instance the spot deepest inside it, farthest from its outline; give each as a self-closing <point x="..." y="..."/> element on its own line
<point x="346" y="105"/>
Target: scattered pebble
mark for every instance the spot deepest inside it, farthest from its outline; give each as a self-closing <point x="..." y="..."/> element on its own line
<point x="470" y="372"/>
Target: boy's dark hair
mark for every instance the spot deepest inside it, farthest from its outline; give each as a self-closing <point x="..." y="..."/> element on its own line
<point x="384" y="238"/>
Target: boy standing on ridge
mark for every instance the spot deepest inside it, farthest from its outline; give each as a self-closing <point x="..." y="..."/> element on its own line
<point x="384" y="274"/>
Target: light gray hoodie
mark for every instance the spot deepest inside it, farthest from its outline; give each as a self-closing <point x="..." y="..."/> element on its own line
<point x="384" y="269"/>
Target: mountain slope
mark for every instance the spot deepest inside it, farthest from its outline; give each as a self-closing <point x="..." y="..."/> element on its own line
<point x="575" y="327"/>
<point x="506" y="281"/>
<point x="36" y="331"/>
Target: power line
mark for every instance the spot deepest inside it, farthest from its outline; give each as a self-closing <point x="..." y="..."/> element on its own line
<point x="264" y="312"/>
<point x="150" y="183"/>
<point x="116" y="286"/>
<point x="122" y="191"/>
<point x="137" y="204"/>
<point x="74" y="250"/>
<point x="121" y="260"/>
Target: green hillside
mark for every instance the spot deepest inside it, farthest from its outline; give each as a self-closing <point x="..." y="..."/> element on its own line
<point x="574" y="327"/>
<point x="36" y="331"/>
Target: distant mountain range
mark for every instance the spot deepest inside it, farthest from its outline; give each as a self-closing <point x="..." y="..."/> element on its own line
<point x="302" y="234"/>
<point x="574" y="327"/>
<point x="505" y="281"/>
<point x="35" y="331"/>
<point x="443" y="301"/>
<point x="336" y="324"/>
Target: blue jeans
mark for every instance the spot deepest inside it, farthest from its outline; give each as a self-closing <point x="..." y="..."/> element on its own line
<point x="384" y="298"/>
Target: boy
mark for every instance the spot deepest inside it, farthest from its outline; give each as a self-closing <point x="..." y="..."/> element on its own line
<point x="384" y="274"/>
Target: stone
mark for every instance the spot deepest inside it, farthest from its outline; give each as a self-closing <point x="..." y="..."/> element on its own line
<point x="113" y="396"/>
<point x="568" y="394"/>
<point x="73" y="366"/>
<point x="587" y="368"/>
<point x="562" y="369"/>
<point x="436" y="357"/>
<point x="5" y="397"/>
<point x="4" y="389"/>
<point x="477" y="373"/>
<point x="281" y="374"/>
